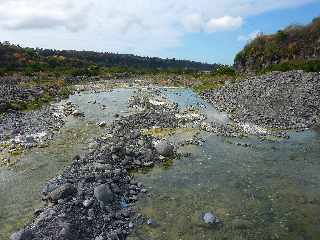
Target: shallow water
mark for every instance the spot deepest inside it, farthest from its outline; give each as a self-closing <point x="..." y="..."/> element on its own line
<point x="103" y="106"/>
<point x="269" y="190"/>
<point x="187" y="98"/>
<point x="20" y="186"/>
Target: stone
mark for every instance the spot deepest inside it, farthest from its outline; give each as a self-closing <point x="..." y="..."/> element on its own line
<point x="150" y="221"/>
<point x="99" y="238"/>
<point x="67" y="232"/>
<point x="103" y="194"/>
<point x="102" y="124"/>
<point x="164" y="148"/>
<point x="87" y="203"/>
<point x="24" y="234"/>
<point x="210" y="218"/>
<point x="130" y="225"/>
<point x="3" y="107"/>
<point x="64" y="191"/>
<point x="76" y="113"/>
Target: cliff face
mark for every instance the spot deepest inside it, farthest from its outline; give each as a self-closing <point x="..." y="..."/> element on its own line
<point x="295" y="44"/>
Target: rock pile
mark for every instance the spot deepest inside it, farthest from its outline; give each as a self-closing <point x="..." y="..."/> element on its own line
<point x="92" y="198"/>
<point x="278" y="100"/>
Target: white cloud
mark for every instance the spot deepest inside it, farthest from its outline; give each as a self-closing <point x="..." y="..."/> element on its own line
<point x="224" y="23"/>
<point x="34" y="14"/>
<point x="136" y="26"/>
<point x="249" y="37"/>
<point x="193" y="22"/>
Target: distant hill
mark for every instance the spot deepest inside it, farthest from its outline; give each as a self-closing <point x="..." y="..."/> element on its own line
<point x="14" y="58"/>
<point x="295" y="47"/>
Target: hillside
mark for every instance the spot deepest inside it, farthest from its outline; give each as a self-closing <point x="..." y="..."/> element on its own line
<point x="29" y="61"/>
<point x="295" y="47"/>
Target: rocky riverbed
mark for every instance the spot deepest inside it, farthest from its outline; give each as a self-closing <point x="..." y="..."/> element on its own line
<point x="24" y="130"/>
<point x="223" y="187"/>
<point x="275" y="101"/>
<point x="92" y="199"/>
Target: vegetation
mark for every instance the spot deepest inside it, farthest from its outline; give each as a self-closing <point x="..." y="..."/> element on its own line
<point x="295" y="47"/>
<point x="216" y="79"/>
<point x="30" y="62"/>
<point x="50" y="90"/>
<point x="307" y="66"/>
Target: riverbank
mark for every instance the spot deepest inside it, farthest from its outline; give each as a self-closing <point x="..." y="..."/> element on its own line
<point x="92" y="199"/>
<point x="274" y="101"/>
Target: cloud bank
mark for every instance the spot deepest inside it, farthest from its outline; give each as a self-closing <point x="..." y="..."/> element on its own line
<point x="139" y="26"/>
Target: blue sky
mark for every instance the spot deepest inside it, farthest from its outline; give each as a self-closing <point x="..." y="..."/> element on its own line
<point x="204" y="30"/>
<point x="221" y="47"/>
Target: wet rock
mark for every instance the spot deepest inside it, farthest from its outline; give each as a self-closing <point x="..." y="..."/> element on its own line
<point x="77" y="113"/>
<point x="62" y="192"/>
<point x="103" y="194"/>
<point x="24" y="234"/>
<point x="210" y="218"/>
<point x="102" y="124"/>
<point x="164" y="148"/>
<point x="151" y="222"/>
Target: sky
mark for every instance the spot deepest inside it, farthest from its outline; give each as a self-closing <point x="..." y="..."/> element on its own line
<point x="210" y="31"/>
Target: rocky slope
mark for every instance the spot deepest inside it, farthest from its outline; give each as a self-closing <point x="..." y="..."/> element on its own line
<point x="275" y="100"/>
<point x="295" y="45"/>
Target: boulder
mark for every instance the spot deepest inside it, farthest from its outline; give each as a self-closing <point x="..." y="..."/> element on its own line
<point x="103" y="194"/>
<point x="164" y="148"/>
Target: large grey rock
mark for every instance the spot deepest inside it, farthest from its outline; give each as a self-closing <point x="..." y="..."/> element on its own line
<point x="103" y="194"/>
<point x="165" y="148"/>
<point x="24" y="234"/>
<point x="62" y="192"/>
